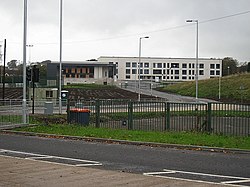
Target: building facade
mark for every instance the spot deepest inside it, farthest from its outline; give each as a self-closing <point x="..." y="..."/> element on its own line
<point x="163" y="69"/>
<point x="80" y="72"/>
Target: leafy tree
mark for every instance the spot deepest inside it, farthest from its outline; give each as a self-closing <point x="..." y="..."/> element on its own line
<point x="12" y="64"/>
<point x="229" y="66"/>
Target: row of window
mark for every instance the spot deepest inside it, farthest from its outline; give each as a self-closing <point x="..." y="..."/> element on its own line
<point x="170" y="65"/>
<point x="160" y="72"/>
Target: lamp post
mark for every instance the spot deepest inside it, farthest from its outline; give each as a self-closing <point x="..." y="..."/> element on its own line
<point x="60" y="61"/>
<point x="196" y="66"/>
<point x="139" y="65"/>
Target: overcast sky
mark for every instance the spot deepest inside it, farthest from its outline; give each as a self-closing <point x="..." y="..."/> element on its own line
<point x="93" y="28"/>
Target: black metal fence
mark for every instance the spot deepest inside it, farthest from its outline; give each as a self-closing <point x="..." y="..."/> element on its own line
<point x="218" y="118"/>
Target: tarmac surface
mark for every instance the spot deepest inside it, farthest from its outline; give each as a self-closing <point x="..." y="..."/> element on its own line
<point x="25" y="172"/>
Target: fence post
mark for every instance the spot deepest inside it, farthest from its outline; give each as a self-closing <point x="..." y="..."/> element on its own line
<point x="130" y="115"/>
<point x="167" y="110"/>
<point x="68" y="111"/>
<point x="209" y="116"/>
<point x="97" y="113"/>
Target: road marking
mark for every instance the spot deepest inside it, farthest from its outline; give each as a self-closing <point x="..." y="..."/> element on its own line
<point x="236" y="181"/>
<point x="50" y="159"/>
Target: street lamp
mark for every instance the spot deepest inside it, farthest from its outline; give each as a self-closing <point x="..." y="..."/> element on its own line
<point x="196" y="66"/>
<point x="60" y="60"/>
<point x="139" y="65"/>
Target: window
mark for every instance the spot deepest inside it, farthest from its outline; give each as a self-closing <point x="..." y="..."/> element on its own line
<point x="127" y="76"/>
<point x="193" y="65"/>
<point x="184" y="72"/>
<point x="156" y="71"/>
<point x="133" y="71"/>
<point x="49" y="94"/>
<point x="201" y="72"/>
<point x="127" y="71"/>
<point x="73" y="70"/>
<point x="176" y="77"/>
<point x="154" y="65"/>
<point x="141" y="65"/>
<point x="127" y="64"/>
<point x="159" y="65"/>
<point x="176" y="72"/>
<point x="164" y="65"/>
<point x="190" y="72"/>
<point x="217" y="72"/>
<point x="211" y="72"/>
<point x="189" y="65"/>
<point x="146" y="71"/>
<point x="212" y="66"/>
<point x="193" y="72"/>
<point x="184" y="65"/>
<point x="146" y="65"/>
<point x="184" y="78"/>
<point x="167" y="65"/>
<point x="141" y="71"/>
<point x="217" y="66"/>
<point x="175" y="65"/>
<point x="134" y="64"/>
<point x="201" y="66"/>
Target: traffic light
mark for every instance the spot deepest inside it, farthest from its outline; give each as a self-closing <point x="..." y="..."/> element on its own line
<point x="35" y="77"/>
<point x="28" y="74"/>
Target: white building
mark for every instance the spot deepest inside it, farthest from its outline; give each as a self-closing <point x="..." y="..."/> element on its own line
<point x="164" y="69"/>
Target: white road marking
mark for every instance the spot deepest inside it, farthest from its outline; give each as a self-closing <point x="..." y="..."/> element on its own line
<point x="39" y="157"/>
<point x="238" y="181"/>
<point x="228" y="183"/>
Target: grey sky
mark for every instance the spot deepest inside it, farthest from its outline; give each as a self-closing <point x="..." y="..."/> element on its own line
<point x="93" y="28"/>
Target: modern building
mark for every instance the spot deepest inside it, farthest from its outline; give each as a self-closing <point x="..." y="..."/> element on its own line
<point x="163" y="69"/>
<point x="80" y="72"/>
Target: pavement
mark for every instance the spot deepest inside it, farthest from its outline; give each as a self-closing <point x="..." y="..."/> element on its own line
<point x="24" y="172"/>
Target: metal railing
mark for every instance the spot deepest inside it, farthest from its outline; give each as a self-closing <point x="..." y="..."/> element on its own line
<point x="218" y="118"/>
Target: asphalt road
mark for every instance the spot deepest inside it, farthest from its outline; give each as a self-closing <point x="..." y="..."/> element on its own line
<point x="134" y="159"/>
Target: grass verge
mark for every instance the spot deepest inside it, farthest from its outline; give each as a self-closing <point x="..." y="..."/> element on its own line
<point x="184" y="138"/>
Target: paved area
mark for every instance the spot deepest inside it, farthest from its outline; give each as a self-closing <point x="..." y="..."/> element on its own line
<point x="24" y="172"/>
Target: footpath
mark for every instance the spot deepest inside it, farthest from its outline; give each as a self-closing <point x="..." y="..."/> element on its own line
<point x="23" y="172"/>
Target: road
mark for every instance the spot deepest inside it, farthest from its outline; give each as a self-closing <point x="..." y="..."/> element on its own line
<point x="145" y="89"/>
<point x="136" y="159"/>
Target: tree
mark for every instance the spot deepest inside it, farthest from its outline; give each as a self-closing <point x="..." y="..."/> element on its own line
<point x="229" y="66"/>
<point x="248" y="67"/>
<point x="12" y="64"/>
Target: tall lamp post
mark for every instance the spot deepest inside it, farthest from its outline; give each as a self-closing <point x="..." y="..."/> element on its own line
<point x="30" y="46"/>
<point x="139" y="65"/>
<point x="196" y="66"/>
<point x="60" y="61"/>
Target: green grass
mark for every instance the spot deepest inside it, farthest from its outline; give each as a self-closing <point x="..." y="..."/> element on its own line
<point x="186" y="138"/>
<point x="230" y="88"/>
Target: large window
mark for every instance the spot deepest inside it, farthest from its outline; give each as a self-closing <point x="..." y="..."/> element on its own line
<point x="127" y="64"/>
<point x="201" y="66"/>
<point x="156" y="71"/>
<point x="184" y="72"/>
<point x="159" y="65"/>
<point x="217" y="66"/>
<point x="184" y="65"/>
<point x="201" y="72"/>
<point x="146" y="71"/>
<point x="133" y="71"/>
<point x="212" y="66"/>
<point x="146" y="64"/>
<point x="212" y="72"/>
<point x="134" y="64"/>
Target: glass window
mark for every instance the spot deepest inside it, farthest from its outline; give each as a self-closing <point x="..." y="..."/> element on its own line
<point x="184" y="65"/>
<point x="184" y="72"/>
<point x="201" y="66"/>
<point x="164" y="65"/>
<point x="217" y="66"/>
<point x="212" y="66"/>
<point x="217" y="72"/>
<point x="159" y="65"/>
<point x="184" y="78"/>
<point x="146" y="71"/>
<point x="211" y="72"/>
<point x="176" y="72"/>
<point x="127" y="71"/>
<point x="49" y="93"/>
<point x="154" y="65"/>
<point x="127" y="76"/>
<point x="156" y="71"/>
<point x="201" y="72"/>
<point x="134" y="64"/>
<point x="133" y="71"/>
<point x="175" y="65"/>
<point x="146" y="64"/>
<point x="127" y="64"/>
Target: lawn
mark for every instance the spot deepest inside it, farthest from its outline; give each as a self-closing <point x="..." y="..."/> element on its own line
<point x="184" y="138"/>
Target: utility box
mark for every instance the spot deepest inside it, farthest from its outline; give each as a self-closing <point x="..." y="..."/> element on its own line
<point x="48" y="108"/>
<point x="79" y="116"/>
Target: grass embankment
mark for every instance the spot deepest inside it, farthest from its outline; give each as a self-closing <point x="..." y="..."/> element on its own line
<point x="185" y="138"/>
<point x="235" y="88"/>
